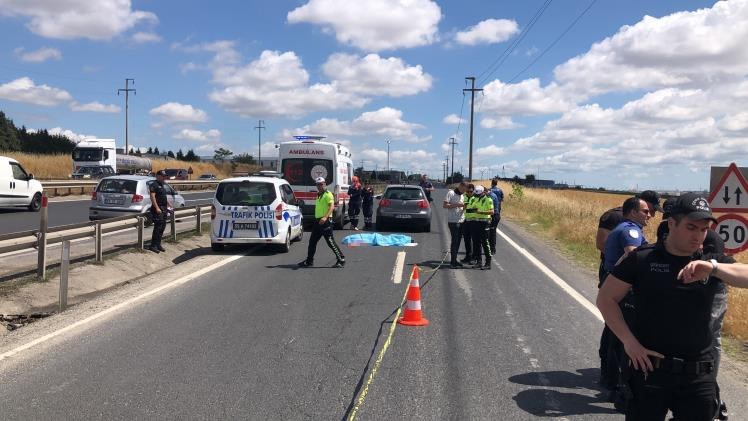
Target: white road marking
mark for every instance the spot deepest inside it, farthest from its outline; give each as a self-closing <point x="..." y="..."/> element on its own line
<point x="397" y="271"/>
<point x="128" y="303"/>
<point x="555" y="278"/>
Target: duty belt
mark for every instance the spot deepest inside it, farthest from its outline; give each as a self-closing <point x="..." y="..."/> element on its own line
<point x="681" y="366"/>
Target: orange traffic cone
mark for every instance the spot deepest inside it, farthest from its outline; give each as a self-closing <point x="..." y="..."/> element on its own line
<point x="413" y="316"/>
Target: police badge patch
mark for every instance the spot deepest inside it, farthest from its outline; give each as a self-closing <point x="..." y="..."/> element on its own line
<point x="634" y="233"/>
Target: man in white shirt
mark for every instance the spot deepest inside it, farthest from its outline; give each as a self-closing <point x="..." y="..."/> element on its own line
<point x="455" y="206"/>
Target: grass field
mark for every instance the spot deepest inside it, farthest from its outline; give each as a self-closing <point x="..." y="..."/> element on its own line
<point x="569" y="218"/>
<point x="59" y="167"/>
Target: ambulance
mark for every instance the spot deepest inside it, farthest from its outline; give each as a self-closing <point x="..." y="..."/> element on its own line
<point x="258" y="209"/>
<point x="309" y="157"/>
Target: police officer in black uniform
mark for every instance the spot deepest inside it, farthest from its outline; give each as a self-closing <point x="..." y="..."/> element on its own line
<point x="159" y="209"/>
<point x="670" y="344"/>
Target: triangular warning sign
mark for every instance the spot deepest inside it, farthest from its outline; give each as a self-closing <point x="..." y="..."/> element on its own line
<point x="731" y="193"/>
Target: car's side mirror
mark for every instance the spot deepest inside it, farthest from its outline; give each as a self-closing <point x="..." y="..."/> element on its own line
<point x="30" y="176"/>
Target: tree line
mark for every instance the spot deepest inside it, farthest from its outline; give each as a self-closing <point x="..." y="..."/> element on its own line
<point x="14" y="139"/>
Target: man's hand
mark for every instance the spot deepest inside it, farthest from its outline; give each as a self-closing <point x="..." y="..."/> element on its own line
<point x="695" y="271"/>
<point x="640" y="356"/>
<point x="322" y="220"/>
<point x="159" y="211"/>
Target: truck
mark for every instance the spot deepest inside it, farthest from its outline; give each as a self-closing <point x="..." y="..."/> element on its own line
<point x="309" y="157"/>
<point x="103" y="152"/>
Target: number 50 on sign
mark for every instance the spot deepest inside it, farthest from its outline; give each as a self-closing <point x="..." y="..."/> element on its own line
<point x="733" y="229"/>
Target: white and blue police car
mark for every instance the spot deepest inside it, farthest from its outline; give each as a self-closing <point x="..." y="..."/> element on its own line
<point x="258" y="209"/>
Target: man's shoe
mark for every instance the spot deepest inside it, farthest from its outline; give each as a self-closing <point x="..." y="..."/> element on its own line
<point x="477" y="264"/>
<point x="305" y="264"/>
<point x="160" y="248"/>
<point x="355" y="229"/>
<point x="487" y="266"/>
<point x="456" y="265"/>
<point x="154" y="249"/>
<point x="339" y="264"/>
<point x="466" y="260"/>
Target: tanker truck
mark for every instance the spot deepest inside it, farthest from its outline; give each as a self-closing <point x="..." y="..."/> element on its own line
<point x="91" y="152"/>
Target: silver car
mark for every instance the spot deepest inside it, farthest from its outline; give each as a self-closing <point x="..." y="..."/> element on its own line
<point x="404" y="205"/>
<point x="127" y="195"/>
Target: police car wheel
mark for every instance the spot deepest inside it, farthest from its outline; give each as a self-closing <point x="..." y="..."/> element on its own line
<point x="301" y="234"/>
<point x="216" y="246"/>
<point x="286" y="246"/>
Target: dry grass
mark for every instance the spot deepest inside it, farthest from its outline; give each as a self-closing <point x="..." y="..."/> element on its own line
<point x="59" y="167"/>
<point x="570" y="217"/>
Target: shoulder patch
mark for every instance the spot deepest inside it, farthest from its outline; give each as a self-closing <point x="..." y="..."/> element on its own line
<point x="634" y="233"/>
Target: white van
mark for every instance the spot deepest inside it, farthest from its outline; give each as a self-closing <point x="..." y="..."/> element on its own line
<point x="308" y="157"/>
<point x="255" y="210"/>
<point x="17" y="187"/>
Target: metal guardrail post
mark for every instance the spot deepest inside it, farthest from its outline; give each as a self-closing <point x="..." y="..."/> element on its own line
<point x="97" y="243"/>
<point x="173" y="227"/>
<point x="199" y="220"/>
<point x="41" y="267"/>
<point x="141" y="236"/>
<point x="64" y="269"/>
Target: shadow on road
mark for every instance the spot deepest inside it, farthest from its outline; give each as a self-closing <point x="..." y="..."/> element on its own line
<point x="191" y="254"/>
<point x="544" y="402"/>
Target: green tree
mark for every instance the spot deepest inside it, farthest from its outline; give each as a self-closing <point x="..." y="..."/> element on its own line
<point x="244" y="158"/>
<point x="170" y="154"/>
<point x="191" y="157"/>
<point x="155" y="151"/>
<point x="8" y="135"/>
<point x="180" y="155"/>
<point x="222" y="154"/>
<point x="150" y="150"/>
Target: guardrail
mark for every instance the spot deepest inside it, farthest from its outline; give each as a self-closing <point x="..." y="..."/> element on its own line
<point x="54" y="188"/>
<point x="43" y="237"/>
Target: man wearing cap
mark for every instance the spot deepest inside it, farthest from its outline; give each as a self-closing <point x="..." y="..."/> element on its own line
<point x="322" y="227"/>
<point x="481" y="206"/>
<point x="670" y="342"/>
<point x="455" y="205"/>
<point x="159" y="208"/>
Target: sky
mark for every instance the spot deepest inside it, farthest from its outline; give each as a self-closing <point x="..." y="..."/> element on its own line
<point x="603" y="93"/>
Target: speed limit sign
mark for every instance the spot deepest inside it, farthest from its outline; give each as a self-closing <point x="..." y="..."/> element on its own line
<point x="733" y="229"/>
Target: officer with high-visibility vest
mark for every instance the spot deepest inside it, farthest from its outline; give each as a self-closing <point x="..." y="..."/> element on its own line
<point x="323" y="208"/>
<point x="467" y="225"/>
<point x="480" y="207"/>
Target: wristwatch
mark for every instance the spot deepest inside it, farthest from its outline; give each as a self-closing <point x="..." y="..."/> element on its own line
<point x="714" y="267"/>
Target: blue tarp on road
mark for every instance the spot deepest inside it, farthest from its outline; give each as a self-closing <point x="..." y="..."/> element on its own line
<point x="376" y="239"/>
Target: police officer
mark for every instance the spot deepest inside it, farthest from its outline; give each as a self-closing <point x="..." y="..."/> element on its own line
<point x="498" y="194"/>
<point x="481" y="206"/>
<point x="670" y="342"/>
<point x="159" y="209"/>
<point x="323" y="208"/>
<point x="367" y="204"/>
<point x="467" y="226"/>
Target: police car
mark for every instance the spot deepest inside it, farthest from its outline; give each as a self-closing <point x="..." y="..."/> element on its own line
<point x="258" y="209"/>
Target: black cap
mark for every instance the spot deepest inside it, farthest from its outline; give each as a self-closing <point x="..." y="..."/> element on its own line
<point x="667" y="207"/>
<point x="693" y="206"/>
<point x="161" y="172"/>
<point x="651" y="197"/>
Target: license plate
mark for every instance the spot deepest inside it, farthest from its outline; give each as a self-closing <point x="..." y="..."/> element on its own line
<point x="114" y="201"/>
<point x="239" y="226"/>
<point x="403" y="216"/>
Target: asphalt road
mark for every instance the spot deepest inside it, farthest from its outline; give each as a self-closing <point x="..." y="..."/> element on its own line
<point x="262" y="339"/>
<point x="65" y="212"/>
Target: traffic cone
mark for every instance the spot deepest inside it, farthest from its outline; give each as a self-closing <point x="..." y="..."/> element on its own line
<point x="413" y="316"/>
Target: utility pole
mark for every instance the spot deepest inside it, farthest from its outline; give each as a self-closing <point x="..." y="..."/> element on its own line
<point x="472" y="91"/>
<point x="452" y="143"/>
<point x="388" y="156"/>
<point x="127" y="91"/>
<point x="446" y="169"/>
<point x="259" y="128"/>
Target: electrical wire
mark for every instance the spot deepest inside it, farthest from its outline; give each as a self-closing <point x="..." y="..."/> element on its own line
<point x="568" y="28"/>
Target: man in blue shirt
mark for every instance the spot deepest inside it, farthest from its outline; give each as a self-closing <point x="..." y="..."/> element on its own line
<point x="498" y="197"/>
<point x="628" y="234"/>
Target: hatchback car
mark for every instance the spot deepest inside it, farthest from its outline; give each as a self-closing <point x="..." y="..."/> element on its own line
<point x="92" y="171"/>
<point x="255" y="210"/>
<point x="176" y="174"/>
<point x="127" y="194"/>
<point x="207" y="177"/>
<point x="404" y="205"/>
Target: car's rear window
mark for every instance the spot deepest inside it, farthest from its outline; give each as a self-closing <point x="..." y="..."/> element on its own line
<point x="245" y="193"/>
<point x="114" y="185"/>
<point x="403" y="194"/>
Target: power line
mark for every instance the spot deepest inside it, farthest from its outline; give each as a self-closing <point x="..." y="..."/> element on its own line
<point x="502" y="58"/>
<point x="568" y="28"/>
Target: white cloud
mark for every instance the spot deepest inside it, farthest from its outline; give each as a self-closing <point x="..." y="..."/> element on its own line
<point x="735" y="122"/>
<point x="374" y="25"/>
<point x="25" y="90"/>
<point x="490" y="150"/>
<point x="146" y="37"/>
<point x="39" y="56"/>
<point x="198" y="135"/>
<point x="75" y="137"/>
<point x="489" y="31"/>
<point x="174" y="112"/>
<point x="71" y="19"/>
<point x="375" y="75"/>
<point x="524" y="98"/>
<point x="95" y="107"/>
<point x="453" y="119"/>
<point x="501" y="123"/>
<point x="385" y="122"/>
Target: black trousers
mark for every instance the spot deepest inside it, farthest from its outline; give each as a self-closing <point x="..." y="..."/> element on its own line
<point x="354" y="208"/>
<point x="479" y="236"/>
<point x="689" y="396"/>
<point x="319" y="231"/>
<point x="495" y="218"/>
<point x="455" y="231"/>
<point x="467" y="236"/>
<point x="159" y="225"/>
<point x="368" y="208"/>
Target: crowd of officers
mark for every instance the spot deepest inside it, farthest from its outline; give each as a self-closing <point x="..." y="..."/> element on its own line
<point x="663" y="304"/>
<point x="473" y="213"/>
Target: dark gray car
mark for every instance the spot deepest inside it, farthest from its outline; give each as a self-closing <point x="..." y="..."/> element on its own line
<point x="127" y="195"/>
<point x="405" y="206"/>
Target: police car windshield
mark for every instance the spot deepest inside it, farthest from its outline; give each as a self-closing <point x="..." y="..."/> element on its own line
<point x="245" y="193"/>
<point x="114" y="185"/>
